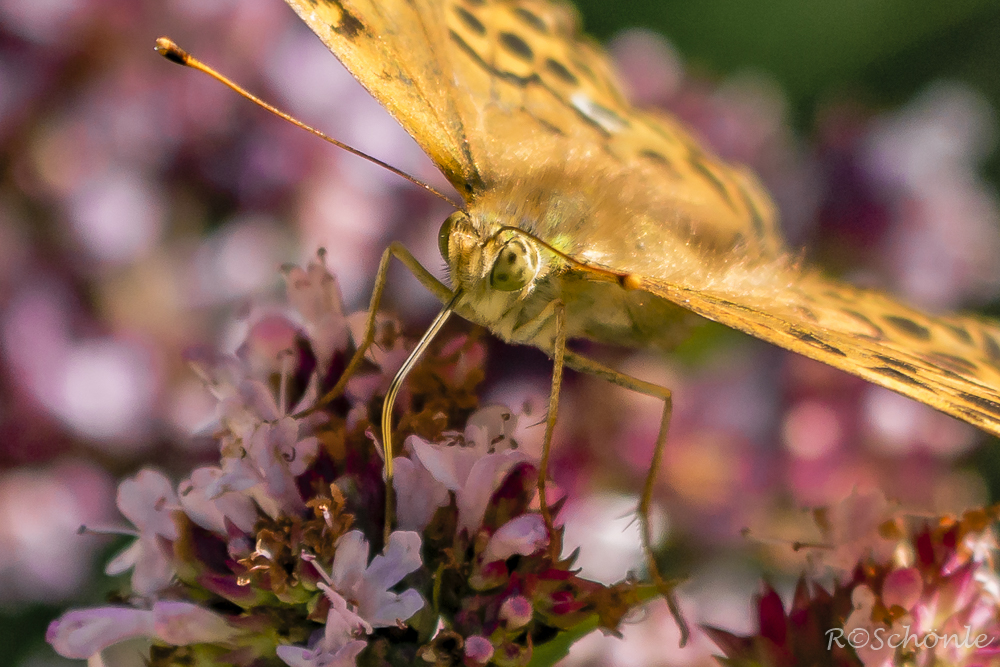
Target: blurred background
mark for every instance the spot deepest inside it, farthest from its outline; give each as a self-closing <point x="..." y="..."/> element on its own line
<point x="145" y="209"/>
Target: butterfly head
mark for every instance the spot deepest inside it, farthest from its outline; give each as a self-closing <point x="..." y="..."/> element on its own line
<point x="495" y="266"/>
<point x="503" y="259"/>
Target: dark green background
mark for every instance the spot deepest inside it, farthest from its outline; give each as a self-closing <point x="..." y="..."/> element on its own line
<point x="880" y="52"/>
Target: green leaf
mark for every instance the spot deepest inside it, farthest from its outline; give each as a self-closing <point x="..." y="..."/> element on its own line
<point x="554" y="650"/>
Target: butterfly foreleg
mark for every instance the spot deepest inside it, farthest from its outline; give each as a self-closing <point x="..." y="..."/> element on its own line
<point x="584" y="365"/>
<point x="426" y="278"/>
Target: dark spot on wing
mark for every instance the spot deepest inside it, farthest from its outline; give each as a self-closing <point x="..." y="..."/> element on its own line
<point x="897" y="375"/>
<point x="549" y="126"/>
<point x="516" y="46"/>
<point x="878" y="333"/>
<point x="984" y="403"/>
<point x="520" y="81"/>
<point x="809" y="339"/>
<point x="561" y="72"/>
<point x="957" y="364"/>
<point x="807" y="313"/>
<point x="961" y="333"/>
<point x="896" y="363"/>
<point x="531" y="20"/>
<point x="585" y="68"/>
<point x="991" y="348"/>
<point x="350" y="26"/>
<point x="660" y="159"/>
<point x="698" y="164"/>
<point x="756" y="219"/>
<point x="475" y="3"/>
<point x="909" y="327"/>
<point x="470" y="21"/>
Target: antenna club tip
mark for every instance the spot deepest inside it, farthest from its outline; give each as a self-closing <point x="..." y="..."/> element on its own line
<point x="169" y="50"/>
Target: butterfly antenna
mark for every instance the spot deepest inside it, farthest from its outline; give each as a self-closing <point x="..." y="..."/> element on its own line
<point x="169" y="50"/>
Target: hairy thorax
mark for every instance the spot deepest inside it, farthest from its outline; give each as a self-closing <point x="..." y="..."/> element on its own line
<point x="511" y="278"/>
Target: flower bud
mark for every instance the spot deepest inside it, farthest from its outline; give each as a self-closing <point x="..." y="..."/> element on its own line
<point x="516" y="611"/>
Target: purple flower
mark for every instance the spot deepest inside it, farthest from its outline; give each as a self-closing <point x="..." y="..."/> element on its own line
<point x="211" y="506"/>
<point x="148" y="501"/>
<point x="296" y="493"/>
<point x="367" y="585"/>
<point x="472" y="465"/>
<point x="336" y="646"/>
<point x="85" y="632"/>
<point x="522" y="535"/>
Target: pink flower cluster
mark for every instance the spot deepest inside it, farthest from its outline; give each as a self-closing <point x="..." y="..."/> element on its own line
<point x="267" y="555"/>
<point x="906" y="590"/>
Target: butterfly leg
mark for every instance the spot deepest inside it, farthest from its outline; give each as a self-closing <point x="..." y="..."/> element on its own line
<point x="584" y="365"/>
<point x="558" y="355"/>
<point x="426" y="278"/>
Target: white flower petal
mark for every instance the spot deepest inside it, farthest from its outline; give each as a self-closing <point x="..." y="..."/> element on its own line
<point x="303" y="454"/>
<point x="350" y="560"/>
<point x="401" y="556"/>
<point x="184" y="623"/>
<point x="449" y="465"/>
<point x="271" y="447"/>
<point x="125" y="560"/>
<point x="81" y="633"/>
<point x="418" y="494"/>
<point x="316" y="295"/>
<point x="341" y="622"/>
<point x="368" y="585"/>
<point x="490" y="427"/>
<point x="296" y="656"/>
<point x="147" y="500"/>
<point x="392" y="608"/>
<point x="256" y="398"/>
<point x="209" y="510"/>
<point x="484" y="478"/>
<point x="154" y="567"/>
<point x="522" y="535"/>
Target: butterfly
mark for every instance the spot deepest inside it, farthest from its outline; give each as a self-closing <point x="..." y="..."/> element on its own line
<point x="625" y="216"/>
<point x="584" y="217"/>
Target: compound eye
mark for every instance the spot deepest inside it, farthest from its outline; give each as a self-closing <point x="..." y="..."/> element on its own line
<point x="445" y="233"/>
<point x="515" y="266"/>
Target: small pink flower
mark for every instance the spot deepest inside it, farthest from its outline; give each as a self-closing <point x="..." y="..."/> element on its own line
<point x="475" y="465"/>
<point x="367" y="585"/>
<point x="275" y="454"/>
<point x="84" y="632"/>
<point x="516" y="611"/>
<point x="902" y="588"/>
<point x="336" y="647"/>
<point x="851" y="528"/>
<point x="478" y="651"/>
<point x="81" y="633"/>
<point x="522" y="535"/>
<point x="418" y="493"/>
<point x="148" y="501"/>
<point x="210" y="506"/>
<point x="315" y="294"/>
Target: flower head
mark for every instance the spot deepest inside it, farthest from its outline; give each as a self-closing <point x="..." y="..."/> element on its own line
<point x="932" y="598"/>
<point x="279" y="535"/>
